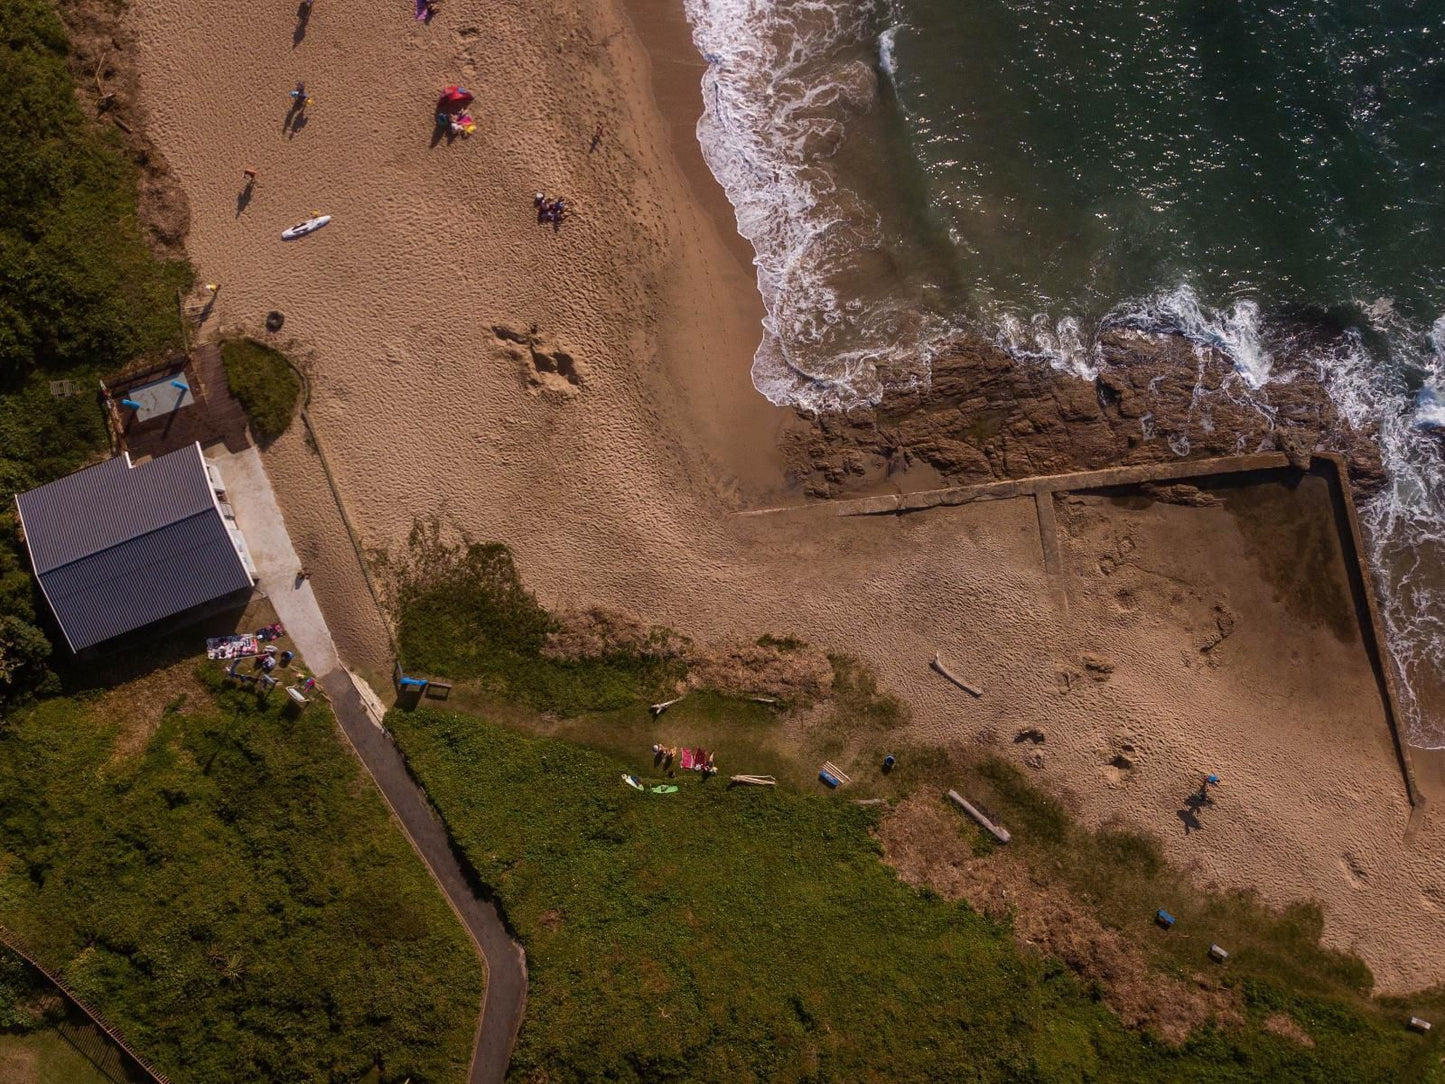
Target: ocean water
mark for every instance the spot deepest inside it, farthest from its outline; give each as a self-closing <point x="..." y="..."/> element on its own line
<point x="1039" y="170"/>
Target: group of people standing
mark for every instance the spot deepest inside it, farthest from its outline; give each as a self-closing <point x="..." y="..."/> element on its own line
<point x="550" y="211"/>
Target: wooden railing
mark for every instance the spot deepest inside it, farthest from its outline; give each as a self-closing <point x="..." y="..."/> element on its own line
<point x="14" y="945"/>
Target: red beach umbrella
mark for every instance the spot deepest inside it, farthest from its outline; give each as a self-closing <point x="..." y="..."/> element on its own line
<point x="456" y="98"/>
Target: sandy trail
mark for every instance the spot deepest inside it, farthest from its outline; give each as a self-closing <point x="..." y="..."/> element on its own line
<point x="617" y="491"/>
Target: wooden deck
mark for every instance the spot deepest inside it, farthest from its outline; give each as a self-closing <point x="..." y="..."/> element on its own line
<point x="214" y="416"/>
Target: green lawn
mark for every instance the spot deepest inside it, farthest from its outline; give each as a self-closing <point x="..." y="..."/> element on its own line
<point x="43" y="1057"/>
<point x="264" y="382"/>
<point x="755" y="935"/>
<point x="230" y="892"/>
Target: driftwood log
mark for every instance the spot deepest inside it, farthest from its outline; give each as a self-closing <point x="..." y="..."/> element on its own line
<point x="755" y="780"/>
<point x="951" y="676"/>
<point x="1000" y="834"/>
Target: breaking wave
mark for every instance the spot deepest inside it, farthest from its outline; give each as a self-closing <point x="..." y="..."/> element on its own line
<point x="791" y="88"/>
<point x="785" y="83"/>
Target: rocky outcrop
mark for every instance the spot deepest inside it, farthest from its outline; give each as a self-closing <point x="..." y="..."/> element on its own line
<point x="987" y="416"/>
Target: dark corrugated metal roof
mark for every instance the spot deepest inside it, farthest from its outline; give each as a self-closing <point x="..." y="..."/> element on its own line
<point x="102" y="506"/>
<point x="117" y="547"/>
<point x="145" y="579"/>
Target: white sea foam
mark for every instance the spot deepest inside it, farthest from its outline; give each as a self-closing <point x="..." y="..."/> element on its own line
<point x="1058" y="342"/>
<point x="1404" y="523"/>
<point x="1235" y="331"/>
<point x="781" y="84"/>
<point x="887" y="43"/>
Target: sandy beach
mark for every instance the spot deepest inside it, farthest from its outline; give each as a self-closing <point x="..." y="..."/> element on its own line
<point x="613" y="448"/>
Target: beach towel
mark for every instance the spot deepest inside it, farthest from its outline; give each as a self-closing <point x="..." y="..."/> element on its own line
<point x="232" y="647"/>
<point x="690" y="759"/>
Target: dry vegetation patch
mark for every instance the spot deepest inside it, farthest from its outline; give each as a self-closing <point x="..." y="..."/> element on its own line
<point x="1285" y="1026"/>
<point x="922" y="841"/>
<point x="138" y="707"/>
<point x="779" y="667"/>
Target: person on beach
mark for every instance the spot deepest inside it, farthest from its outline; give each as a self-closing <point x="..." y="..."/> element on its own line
<point x="596" y="138"/>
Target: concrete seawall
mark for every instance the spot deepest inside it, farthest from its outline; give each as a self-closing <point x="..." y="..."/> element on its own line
<point x="1329" y="465"/>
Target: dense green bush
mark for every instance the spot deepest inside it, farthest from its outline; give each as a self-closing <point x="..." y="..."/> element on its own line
<point x="264" y="382"/>
<point x="78" y="286"/>
<point x="235" y="896"/>
<point x="750" y="934"/>
<point x="80" y="294"/>
<point x="464" y="614"/>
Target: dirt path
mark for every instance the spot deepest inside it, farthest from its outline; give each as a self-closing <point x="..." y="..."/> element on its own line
<point x="250" y="493"/>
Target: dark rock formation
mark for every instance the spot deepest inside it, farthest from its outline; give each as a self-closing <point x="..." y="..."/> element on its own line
<point x="1157" y="397"/>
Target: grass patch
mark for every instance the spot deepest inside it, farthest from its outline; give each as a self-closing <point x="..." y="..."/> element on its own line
<point x="464" y="615"/>
<point x="264" y="383"/>
<point x="747" y="934"/>
<point x="1122" y="876"/>
<point x="233" y="896"/>
<point x="43" y="1057"/>
<point x="858" y="702"/>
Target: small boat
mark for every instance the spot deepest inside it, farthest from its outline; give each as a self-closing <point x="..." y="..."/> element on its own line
<point x="301" y="229"/>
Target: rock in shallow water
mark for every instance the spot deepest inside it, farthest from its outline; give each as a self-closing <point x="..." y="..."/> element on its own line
<point x="1157" y="397"/>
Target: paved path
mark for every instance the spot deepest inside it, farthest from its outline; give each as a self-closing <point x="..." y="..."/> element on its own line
<point x="250" y="494"/>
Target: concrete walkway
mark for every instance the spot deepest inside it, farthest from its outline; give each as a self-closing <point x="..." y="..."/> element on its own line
<point x="249" y="491"/>
<point x="259" y="516"/>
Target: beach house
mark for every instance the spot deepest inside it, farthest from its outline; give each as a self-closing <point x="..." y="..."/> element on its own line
<point x="118" y="546"/>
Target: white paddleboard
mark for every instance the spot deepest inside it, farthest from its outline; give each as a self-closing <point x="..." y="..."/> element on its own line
<point x="301" y="229"/>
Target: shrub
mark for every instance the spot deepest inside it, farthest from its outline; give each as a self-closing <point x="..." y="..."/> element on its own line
<point x="234" y="897"/>
<point x="264" y="382"/>
<point x="78" y="286"/>
<point x="464" y="614"/>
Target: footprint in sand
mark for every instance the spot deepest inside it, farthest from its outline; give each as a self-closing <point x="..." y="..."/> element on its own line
<point x="1354" y="870"/>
